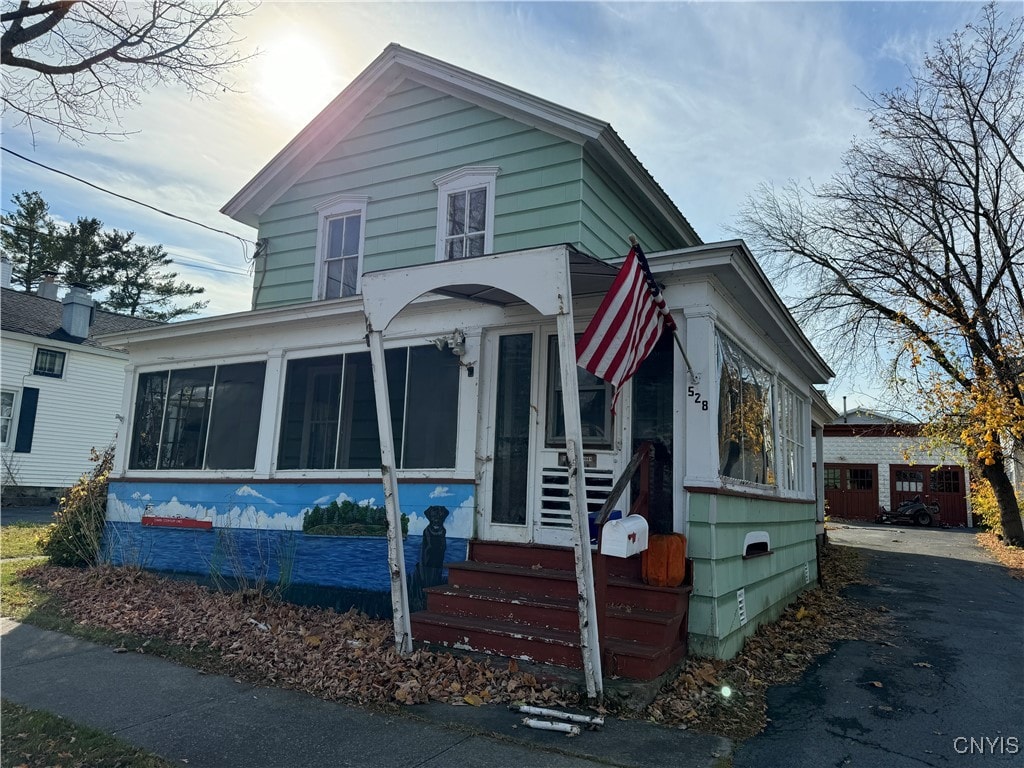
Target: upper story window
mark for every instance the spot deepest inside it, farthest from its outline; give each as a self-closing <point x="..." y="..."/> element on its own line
<point x="6" y="415"/>
<point x="465" y="212"/>
<point x="49" y="362"/>
<point x="745" y="431"/>
<point x="339" y="247"/>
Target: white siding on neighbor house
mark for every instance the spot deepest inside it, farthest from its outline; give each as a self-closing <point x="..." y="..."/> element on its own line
<point x="74" y="413"/>
<point x="883" y="451"/>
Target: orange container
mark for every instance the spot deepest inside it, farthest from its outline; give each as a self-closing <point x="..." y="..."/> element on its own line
<point x="664" y="560"/>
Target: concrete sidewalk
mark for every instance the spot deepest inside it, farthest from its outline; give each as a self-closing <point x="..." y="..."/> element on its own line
<point x="206" y="720"/>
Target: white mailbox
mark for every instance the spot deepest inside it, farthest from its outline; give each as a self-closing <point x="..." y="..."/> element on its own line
<point x="625" y="537"/>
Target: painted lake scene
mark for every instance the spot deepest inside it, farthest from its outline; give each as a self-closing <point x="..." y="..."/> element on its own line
<point x="315" y="534"/>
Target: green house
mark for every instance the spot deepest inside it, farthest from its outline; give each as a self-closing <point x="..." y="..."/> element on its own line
<point x="429" y="246"/>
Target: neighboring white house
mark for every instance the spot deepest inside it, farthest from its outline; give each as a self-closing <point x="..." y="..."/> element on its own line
<point x="60" y="392"/>
<point x="873" y="459"/>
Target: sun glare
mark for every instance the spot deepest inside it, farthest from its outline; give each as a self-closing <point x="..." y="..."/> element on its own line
<point x="295" y="78"/>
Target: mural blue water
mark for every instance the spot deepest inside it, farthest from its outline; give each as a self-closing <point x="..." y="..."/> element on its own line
<point x="358" y="562"/>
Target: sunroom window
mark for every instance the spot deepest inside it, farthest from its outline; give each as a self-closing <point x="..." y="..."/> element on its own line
<point x="745" y="434"/>
<point x="793" y="435"/>
<point x="330" y="412"/>
<point x="465" y="208"/>
<point x="198" y="418"/>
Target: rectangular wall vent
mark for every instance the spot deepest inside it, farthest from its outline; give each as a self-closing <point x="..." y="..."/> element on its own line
<point x="741" y="605"/>
<point x="807" y="573"/>
<point x="554" y="498"/>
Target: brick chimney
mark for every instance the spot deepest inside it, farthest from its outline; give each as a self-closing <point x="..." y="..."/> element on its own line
<point x="77" y="311"/>
<point x="48" y="288"/>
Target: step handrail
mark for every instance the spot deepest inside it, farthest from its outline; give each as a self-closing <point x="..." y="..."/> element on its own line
<point x="641" y="457"/>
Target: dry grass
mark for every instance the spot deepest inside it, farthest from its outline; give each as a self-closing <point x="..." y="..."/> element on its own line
<point x="1011" y="557"/>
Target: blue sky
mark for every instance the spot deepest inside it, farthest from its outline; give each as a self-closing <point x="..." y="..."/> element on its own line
<point x="714" y="98"/>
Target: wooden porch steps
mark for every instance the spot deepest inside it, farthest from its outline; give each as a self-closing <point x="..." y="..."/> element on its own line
<point x="521" y="601"/>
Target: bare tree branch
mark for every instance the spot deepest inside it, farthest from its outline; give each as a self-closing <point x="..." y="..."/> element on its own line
<point x="81" y="63"/>
<point x="918" y="243"/>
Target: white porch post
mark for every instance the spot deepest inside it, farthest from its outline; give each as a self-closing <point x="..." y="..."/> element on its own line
<point x="590" y="645"/>
<point x="396" y="551"/>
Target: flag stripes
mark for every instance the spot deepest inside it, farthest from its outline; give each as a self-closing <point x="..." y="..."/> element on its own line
<point x="627" y="324"/>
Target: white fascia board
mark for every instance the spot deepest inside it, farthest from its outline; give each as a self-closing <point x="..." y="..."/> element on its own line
<point x="306" y="149"/>
<point x="374" y="84"/>
<point x="612" y="144"/>
<point x="733" y="264"/>
<point x="313" y="312"/>
<point x="66" y="346"/>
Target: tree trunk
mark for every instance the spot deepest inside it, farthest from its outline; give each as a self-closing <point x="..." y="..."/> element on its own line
<point x="1009" y="509"/>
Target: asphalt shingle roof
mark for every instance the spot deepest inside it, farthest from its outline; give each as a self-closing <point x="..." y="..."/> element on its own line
<point x="35" y="316"/>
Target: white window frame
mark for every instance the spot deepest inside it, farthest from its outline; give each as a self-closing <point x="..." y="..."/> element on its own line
<point x="462" y="180"/>
<point x="335" y="208"/>
<point x="63" y="363"/>
<point x="8" y="439"/>
<point x="793" y="434"/>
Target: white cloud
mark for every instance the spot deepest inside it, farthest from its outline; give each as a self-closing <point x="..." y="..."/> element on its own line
<point x="440" y="492"/>
<point x="246" y="490"/>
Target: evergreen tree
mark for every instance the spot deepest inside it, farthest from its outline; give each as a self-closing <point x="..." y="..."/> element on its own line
<point x="79" y="251"/>
<point x="134" y="277"/>
<point x="138" y="286"/>
<point x="26" y="239"/>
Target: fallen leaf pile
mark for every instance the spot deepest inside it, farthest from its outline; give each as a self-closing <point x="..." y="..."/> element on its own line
<point x="350" y="657"/>
<point x="337" y="656"/>
<point x="1011" y="557"/>
<point x="777" y="653"/>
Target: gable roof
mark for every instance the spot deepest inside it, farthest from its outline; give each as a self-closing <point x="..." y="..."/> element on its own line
<point x="36" y="316"/>
<point x="396" y="64"/>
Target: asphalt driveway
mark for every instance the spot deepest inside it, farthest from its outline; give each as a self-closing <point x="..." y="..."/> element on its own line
<point x="945" y="687"/>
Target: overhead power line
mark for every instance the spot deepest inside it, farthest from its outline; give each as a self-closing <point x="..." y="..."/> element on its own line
<point x="174" y="259"/>
<point x="240" y="239"/>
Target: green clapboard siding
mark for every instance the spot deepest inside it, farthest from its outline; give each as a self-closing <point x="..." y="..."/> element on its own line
<point x="718" y="526"/>
<point x="547" y="191"/>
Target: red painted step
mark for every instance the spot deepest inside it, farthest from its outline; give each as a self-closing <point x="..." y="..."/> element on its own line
<point x="465" y="633"/>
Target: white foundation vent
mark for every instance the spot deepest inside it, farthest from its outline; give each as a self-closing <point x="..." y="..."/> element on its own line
<point x="807" y="573"/>
<point x="741" y="605"/>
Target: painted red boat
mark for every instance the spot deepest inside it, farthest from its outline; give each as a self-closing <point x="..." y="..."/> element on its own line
<point x="176" y="521"/>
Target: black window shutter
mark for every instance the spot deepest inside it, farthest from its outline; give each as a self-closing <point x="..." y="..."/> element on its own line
<point x="26" y="420"/>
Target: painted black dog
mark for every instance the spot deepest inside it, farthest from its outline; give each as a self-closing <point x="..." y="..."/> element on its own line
<point x="432" y="550"/>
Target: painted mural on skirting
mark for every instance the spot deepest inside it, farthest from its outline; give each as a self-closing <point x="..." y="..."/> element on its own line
<point x="315" y="534"/>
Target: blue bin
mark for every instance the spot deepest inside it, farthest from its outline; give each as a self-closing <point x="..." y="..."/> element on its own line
<point x="616" y="514"/>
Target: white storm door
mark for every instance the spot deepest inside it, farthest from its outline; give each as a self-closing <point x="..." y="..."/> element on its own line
<point x="510" y="415"/>
<point x="602" y="446"/>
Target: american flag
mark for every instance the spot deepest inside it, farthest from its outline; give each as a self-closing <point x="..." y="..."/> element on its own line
<point x="627" y="324"/>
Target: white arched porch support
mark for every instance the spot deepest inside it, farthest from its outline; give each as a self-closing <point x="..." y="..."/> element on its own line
<point x="541" y="278"/>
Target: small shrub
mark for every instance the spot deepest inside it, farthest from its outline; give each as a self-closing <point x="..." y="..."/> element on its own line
<point x="74" y="539"/>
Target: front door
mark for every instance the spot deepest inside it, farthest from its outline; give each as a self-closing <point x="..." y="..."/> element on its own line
<point x="526" y="477"/>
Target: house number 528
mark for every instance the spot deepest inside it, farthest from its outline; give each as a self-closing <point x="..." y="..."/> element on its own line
<point x="697" y="398"/>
